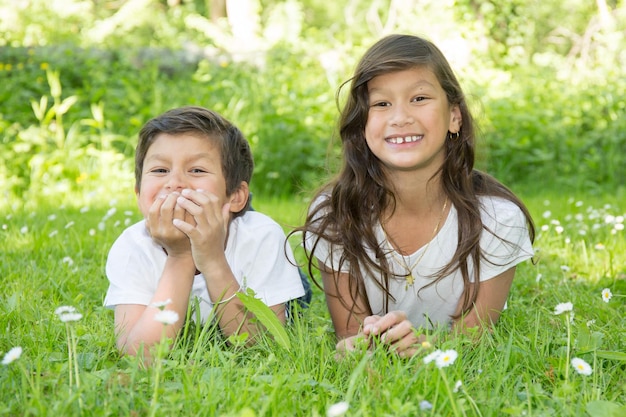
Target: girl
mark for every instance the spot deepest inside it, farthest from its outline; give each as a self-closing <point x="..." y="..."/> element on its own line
<point x="409" y="235"/>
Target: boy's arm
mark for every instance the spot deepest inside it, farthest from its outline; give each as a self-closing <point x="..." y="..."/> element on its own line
<point x="229" y="310"/>
<point x="136" y="326"/>
<point x="208" y="235"/>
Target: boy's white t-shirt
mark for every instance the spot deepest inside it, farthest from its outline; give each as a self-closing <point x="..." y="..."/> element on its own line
<point x="255" y="251"/>
<point x="434" y="305"/>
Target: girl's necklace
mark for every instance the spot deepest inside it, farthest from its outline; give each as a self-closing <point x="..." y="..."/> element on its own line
<point x="410" y="279"/>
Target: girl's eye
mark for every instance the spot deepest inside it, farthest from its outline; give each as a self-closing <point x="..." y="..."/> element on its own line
<point x="159" y="170"/>
<point x="380" y="104"/>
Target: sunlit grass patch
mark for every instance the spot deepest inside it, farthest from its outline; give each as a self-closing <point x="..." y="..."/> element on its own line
<point x="55" y="257"/>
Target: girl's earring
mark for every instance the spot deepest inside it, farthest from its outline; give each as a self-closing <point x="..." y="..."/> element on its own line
<point x="454" y="136"/>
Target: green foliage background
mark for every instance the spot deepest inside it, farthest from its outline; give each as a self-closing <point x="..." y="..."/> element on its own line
<point x="80" y="77"/>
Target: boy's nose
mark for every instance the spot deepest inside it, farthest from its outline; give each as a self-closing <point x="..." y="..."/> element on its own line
<point x="175" y="181"/>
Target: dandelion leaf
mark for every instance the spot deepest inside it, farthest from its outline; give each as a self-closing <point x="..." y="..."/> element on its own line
<point x="605" y="409"/>
<point x="588" y="341"/>
<point x="613" y="355"/>
<point x="266" y="316"/>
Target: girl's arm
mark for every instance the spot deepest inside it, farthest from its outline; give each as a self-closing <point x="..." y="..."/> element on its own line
<point x="398" y="332"/>
<point x="489" y="302"/>
<point x="393" y="328"/>
<point x="347" y="324"/>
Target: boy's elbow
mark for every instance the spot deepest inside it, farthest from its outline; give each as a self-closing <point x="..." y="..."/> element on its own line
<point x="133" y="348"/>
<point x="126" y="348"/>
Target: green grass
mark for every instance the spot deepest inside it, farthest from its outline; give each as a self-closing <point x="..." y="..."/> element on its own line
<point x="55" y="256"/>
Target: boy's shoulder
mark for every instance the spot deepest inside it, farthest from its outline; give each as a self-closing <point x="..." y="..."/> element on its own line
<point x="254" y="220"/>
<point x="254" y="229"/>
<point x="136" y="231"/>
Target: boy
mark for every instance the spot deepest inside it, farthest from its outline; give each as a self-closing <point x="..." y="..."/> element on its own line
<point x="199" y="239"/>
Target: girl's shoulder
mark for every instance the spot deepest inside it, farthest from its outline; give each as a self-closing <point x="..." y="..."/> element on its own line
<point x="493" y="203"/>
<point x="500" y="210"/>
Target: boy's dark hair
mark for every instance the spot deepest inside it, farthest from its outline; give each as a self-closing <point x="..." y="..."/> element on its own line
<point x="236" y="156"/>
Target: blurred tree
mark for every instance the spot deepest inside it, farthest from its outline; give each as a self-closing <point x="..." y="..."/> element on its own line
<point x="217" y="9"/>
<point x="515" y="30"/>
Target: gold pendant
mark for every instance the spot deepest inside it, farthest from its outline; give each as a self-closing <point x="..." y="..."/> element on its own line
<point x="410" y="279"/>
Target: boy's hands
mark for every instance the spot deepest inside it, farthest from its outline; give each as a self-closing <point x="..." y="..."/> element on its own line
<point x="207" y="228"/>
<point x="161" y="228"/>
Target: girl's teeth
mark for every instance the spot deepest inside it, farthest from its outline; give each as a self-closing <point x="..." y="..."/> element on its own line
<point x="406" y="139"/>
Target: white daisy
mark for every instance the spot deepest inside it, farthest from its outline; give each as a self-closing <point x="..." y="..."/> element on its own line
<point x="606" y="295"/>
<point x="446" y="358"/>
<point x="12" y="355"/>
<point x="68" y="317"/>
<point x="581" y="366"/>
<point x="432" y="356"/>
<point x="64" y="309"/>
<point x="337" y="410"/>
<point x="563" y="307"/>
<point x="457" y="386"/>
<point x="67" y="314"/>
<point x="166" y="316"/>
<point x="161" y="304"/>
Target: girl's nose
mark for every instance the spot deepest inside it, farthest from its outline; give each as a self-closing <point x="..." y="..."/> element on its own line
<point x="401" y="116"/>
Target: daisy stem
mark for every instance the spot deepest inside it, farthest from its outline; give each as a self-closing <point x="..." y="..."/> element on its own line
<point x="28" y="377"/>
<point x="157" y="376"/>
<point x="450" y="393"/>
<point x="70" y="356"/>
<point x="75" y="356"/>
<point x="567" y="353"/>
<point x="76" y="371"/>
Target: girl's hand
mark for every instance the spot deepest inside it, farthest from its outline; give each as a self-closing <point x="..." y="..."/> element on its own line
<point x="160" y="225"/>
<point x="350" y="344"/>
<point x="208" y="229"/>
<point x="395" y="331"/>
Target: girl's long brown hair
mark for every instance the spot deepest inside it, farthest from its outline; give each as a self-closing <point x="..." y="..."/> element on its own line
<point x="359" y="194"/>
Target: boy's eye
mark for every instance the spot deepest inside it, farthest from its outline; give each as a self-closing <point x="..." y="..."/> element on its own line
<point x="198" y="170"/>
<point x="419" y="98"/>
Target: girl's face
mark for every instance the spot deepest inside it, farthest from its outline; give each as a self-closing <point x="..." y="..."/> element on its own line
<point x="176" y="162"/>
<point x="408" y="120"/>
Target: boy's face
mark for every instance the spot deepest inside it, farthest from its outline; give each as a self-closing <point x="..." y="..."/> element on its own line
<point x="176" y="162"/>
